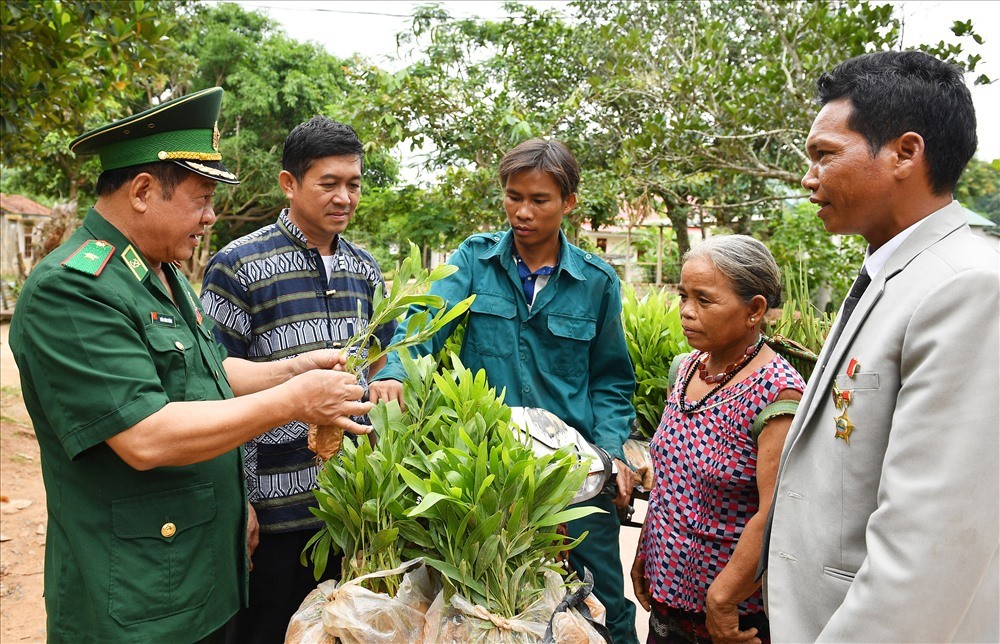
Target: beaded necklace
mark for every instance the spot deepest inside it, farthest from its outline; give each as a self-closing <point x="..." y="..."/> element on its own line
<point x="691" y="408"/>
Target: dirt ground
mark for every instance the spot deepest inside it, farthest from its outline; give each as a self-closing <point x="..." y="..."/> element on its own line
<point x="22" y="518"/>
<point x="22" y="513"/>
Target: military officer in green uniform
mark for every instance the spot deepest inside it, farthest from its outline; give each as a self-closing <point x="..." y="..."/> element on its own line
<point x="133" y="402"/>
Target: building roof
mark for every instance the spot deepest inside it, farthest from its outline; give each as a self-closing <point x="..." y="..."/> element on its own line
<point x="21" y="205"/>
<point x="975" y="219"/>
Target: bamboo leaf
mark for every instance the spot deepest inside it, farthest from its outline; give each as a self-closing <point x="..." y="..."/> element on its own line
<point x="415" y="483"/>
<point x="569" y="514"/>
<point x="427" y="503"/>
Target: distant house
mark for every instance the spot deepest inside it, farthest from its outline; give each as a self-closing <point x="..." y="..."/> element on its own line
<point x="20" y="222"/>
<point x="631" y="264"/>
<point x="983" y="227"/>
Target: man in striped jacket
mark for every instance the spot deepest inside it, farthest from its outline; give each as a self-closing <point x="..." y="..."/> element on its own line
<point x="290" y="287"/>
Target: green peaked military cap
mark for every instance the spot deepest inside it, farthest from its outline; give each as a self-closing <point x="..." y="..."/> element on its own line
<point x="183" y="130"/>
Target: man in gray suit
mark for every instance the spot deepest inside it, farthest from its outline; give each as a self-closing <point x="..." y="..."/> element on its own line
<point x="885" y="516"/>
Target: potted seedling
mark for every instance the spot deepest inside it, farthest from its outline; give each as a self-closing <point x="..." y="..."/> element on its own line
<point x="409" y="287"/>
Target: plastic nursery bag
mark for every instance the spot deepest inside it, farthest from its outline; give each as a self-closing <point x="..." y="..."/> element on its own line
<point x="353" y="613"/>
<point x="358" y="615"/>
<point x="637" y="456"/>
<point x="460" y="621"/>
<point x="306" y="625"/>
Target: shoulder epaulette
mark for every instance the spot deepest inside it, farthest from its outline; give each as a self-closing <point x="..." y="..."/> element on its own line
<point x="594" y="260"/>
<point x="487" y="238"/>
<point x="91" y="257"/>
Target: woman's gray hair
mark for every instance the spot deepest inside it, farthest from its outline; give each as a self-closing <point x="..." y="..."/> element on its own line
<point x="746" y="262"/>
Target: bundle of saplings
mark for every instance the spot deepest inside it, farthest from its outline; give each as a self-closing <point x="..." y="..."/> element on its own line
<point x="447" y="525"/>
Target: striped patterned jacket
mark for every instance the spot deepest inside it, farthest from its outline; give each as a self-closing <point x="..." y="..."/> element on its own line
<point x="271" y="299"/>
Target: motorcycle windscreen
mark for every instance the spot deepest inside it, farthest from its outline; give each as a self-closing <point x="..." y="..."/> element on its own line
<point x="547" y="433"/>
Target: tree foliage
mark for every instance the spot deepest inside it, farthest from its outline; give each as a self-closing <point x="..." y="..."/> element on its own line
<point x="979" y="188"/>
<point x="704" y="105"/>
<point x="796" y="237"/>
<point x="70" y="65"/>
<point x="698" y="110"/>
<point x="476" y="89"/>
<point x="272" y="83"/>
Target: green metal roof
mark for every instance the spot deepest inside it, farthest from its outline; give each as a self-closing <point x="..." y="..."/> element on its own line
<point x="975" y="219"/>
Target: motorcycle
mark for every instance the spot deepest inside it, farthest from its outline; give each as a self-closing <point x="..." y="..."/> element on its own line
<point x="549" y="433"/>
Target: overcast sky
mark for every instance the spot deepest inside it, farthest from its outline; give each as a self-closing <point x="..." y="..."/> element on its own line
<point x="369" y="27"/>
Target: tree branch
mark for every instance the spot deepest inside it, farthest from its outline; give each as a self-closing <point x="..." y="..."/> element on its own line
<point x="754" y="202"/>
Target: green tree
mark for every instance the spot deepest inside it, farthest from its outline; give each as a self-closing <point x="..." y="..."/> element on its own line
<point x="388" y="218"/>
<point x="709" y="101"/>
<point x="70" y="65"/>
<point x="476" y="89"/>
<point x="272" y="83"/>
<point x="979" y="188"/>
<point x="797" y="237"/>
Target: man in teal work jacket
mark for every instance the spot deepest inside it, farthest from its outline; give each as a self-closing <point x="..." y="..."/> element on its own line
<point x="546" y="325"/>
<point x="132" y="399"/>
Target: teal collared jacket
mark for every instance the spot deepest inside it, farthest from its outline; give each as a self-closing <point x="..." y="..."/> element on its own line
<point x="566" y="353"/>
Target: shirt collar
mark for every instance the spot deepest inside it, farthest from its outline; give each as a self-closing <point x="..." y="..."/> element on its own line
<point x="290" y="229"/>
<point x="875" y="261"/>
<point x="504" y="252"/>
<point x="104" y="229"/>
<point x="296" y="235"/>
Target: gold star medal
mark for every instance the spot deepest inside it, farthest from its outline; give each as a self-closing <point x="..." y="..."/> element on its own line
<point x="842" y="401"/>
<point x="844" y="426"/>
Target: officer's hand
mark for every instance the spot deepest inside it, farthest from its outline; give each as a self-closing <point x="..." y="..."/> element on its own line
<point x="329" y="398"/>
<point x="322" y="359"/>
<point x="625" y="481"/>
<point x="386" y="390"/>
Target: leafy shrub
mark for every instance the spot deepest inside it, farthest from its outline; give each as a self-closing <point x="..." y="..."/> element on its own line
<point x="800" y="320"/>
<point x="451" y="482"/>
<point x="654" y="336"/>
<point x="489" y="506"/>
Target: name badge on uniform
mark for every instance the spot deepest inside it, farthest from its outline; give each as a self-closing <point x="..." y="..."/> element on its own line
<point x="162" y="319"/>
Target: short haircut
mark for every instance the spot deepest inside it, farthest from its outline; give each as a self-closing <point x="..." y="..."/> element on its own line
<point x="548" y="156"/>
<point x="894" y="92"/>
<point x="747" y="264"/>
<point x="170" y="175"/>
<point x="318" y="138"/>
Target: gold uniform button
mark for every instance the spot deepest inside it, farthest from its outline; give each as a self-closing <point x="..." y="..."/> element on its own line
<point x="168" y="530"/>
<point x="179" y="345"/>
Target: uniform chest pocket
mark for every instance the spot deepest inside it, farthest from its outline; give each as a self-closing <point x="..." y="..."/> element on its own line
<point x="174" y="353"/>
<point x="569" y="354"/>
<point x="491" y="329"/>
<point x="163" y="553"/>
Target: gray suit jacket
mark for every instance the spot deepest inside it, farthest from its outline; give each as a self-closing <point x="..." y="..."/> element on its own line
<point x="894" y="536"/>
